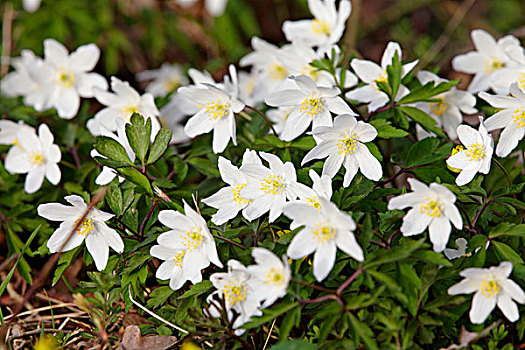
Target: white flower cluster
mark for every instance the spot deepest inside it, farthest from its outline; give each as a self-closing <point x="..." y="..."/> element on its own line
<point x="304" y="96"/>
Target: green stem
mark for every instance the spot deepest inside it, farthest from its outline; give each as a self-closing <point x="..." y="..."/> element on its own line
<point x="261" y="114"/>
<point x="504" y="171"/>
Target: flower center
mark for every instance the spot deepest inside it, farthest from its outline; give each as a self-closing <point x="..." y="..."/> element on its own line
<point x="519" y="117"/>
<point x="234" y="293"/>
<point x="65" y="77"/>
<point x="36" y="158"/>
<point x="237" y="194"/>
<point x="324" y="233"/>
<point x="313" y="202"/>
<point x="277" y="71"/>
<point x="273" y="184"/>
<point x="85" y="227"/>
<point x="321" y="27"/>
<point x="171" y="84"/>
<point x="492" y="64"/>
<point x="383" y="78"/>
<point x="127" y="112"/>
<point x="347" y="145"/>
<point x="475" y="152"/>
<point x="275" y="277"/>
<point x="312" y="105"/>
<point x="217" y="109"/>
<point x="193" y="239"/>
<point x="432" y="208"/>
<point x="439" y="107"/>
<point x="178" y="258"/>
<point x="310" y="71"/>
<point x="490" y="288"/>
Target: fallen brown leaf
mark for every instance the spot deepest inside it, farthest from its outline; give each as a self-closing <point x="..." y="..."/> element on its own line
<point x="133" y="340"/>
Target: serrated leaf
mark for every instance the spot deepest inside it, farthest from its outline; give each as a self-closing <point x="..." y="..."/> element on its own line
<point x="423" y="119"/>
<point x="159" y="146"/>
<point x="138" y="135"/>
<point x="506" y="253"/>
<point x="394" y="72"/>
<point x="427" y="151"/>
<point x="385" y="130"/>
<point x="134" y="176"/>
<point x="114" y="199"/>
<point x="427" y="91"/>
<point x="269" y="315"/>
<point x="197" y="289"/>
<point x="111" y="149"/>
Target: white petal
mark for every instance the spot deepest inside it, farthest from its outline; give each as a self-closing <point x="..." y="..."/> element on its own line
<point x="508" y="307"/>
<point x="34" y="179"/>
<point x="466" y="286"/>
<point x="368" y="164"/>
<point x="68" y="103"/>
<point x="347" y="243"/>
<point x="324" y="259"/>
<point x="414" y="222"/>
<point x="481" y="308"/>
<point x="98" y="249"/>
<point x="514" y="290"/>
<point x="303" y="244"/>
<point x="439" y="232"/>
<point x="85" y="58"/>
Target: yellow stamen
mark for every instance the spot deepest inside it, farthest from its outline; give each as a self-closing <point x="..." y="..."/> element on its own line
<point x="275" y="277"/>
<point x="312" y="105"/>
<point x="193" y="238"/>
<point x="127" y="112"/>
<point x="475" y="152"/>
<point x="324" y="233"/>
<point x="237" y="194"/>
<point x="492" y="64"/>
<point x="178" y="258"/>
<point x="521" y="81"/>
<point x="37" y="158"/>
<point x="217" y="109"/>
<point x="171" y="84"/>
<point x="85" y="227"/>
<point x="234" y="293"/>
<point x="273" y="184"/>
<point x="382" y="78"/>
<point x="490" y="288"/>
<point x="321" y="27"/>
<point x="455" y="150"/>
<point x="519" y="117"/>
<point x="347" y="145"/>
<point x="432" y="208"/>
<point x="438" y="108"/>
<point x="277" y="71"/>
<point x="65" y="77"/>
<point x="313" y="202"/>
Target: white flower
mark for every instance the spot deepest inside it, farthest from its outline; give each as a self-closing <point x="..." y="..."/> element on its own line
<point x="20" y="82"/>
<point x="217" y="108"/>
<point x="228" y="200"/>
<point x="267" y="64"/>
<point x="249" y="92"/>
<point x="344" y="144"/>
<point x="488" y="57"/>
<point x="187" y="248"/>
<point x="321" y="188"/>
<point x="35" y="155"/>
<point x="239" y="293"/>
<point x="477" y="155"/>
<point x="64" y="78"/>
<point x="325" y="29"/>
<point x="31" y="5"/>
<point x="108" y="174"/>
<point x="9" y="130"/>
<point x="278" y="117"/>
<point x="324" y="232"/>
<point x="213" y="7"/>
<point x="270" y="188"/>
<point x="515" y="72"/>
<point x="311" y="105"/>
<point x="432" y="207"/>
<point x="462" y="244"/>
<point x="98" y="236"/>
<point x="270" y="277"/>
<point x="370" y="73"/>
<point x="121" y="104"/>
<point x="164" y="80"/>
<point x="493" y="287"/>
<point x="511" y="118"/>
<point x="446" y="111"/>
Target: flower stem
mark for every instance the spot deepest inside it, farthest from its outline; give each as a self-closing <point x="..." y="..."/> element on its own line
<point x="504" y="171"/>
<point x="261" y="114"/>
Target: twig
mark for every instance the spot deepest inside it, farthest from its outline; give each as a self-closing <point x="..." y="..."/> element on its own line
<point x="7" y="22"/>
<point x="323" y="289"/>
<point x="478" y="214"/>
<point x="269" y="333"/>
<point x="504" y="171"/>
<point x="148" y="216"/>
<point x="348" y="281"/>
<point x="36" y="331"/>
<point x="6" y="263"/>
<point x="75" y="156"/>
<point x="229" y="241"/>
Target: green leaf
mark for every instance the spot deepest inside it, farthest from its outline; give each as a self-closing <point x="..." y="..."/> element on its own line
<point x="112" y="150"/>
<point x="423" y="119"/>
<point x="269" y="315"/>
<point x="427" y="151"/>
<point x="138" y="135"/>
<point x="293" y="317"/>
<point x="197" y="289"/>
<point x="394" y="72"/>
<point x="159" y="296"/>
<point x="114" y="199"/>
<point x="506" y="253"/>
<point x="362" y="332"/>
<point x="294" y="345"/>
<point x="137" y="178"/>
<point x="385" y="130"/>
<point x="432" y="258"/>
<point x="425" y="92"/>
<point x="205" y="166"/>
<point x="397" y="253"/>
<point x="158" y="147"/>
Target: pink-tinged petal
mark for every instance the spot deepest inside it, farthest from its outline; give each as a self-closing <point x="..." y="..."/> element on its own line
<point x="324" y="259"/>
